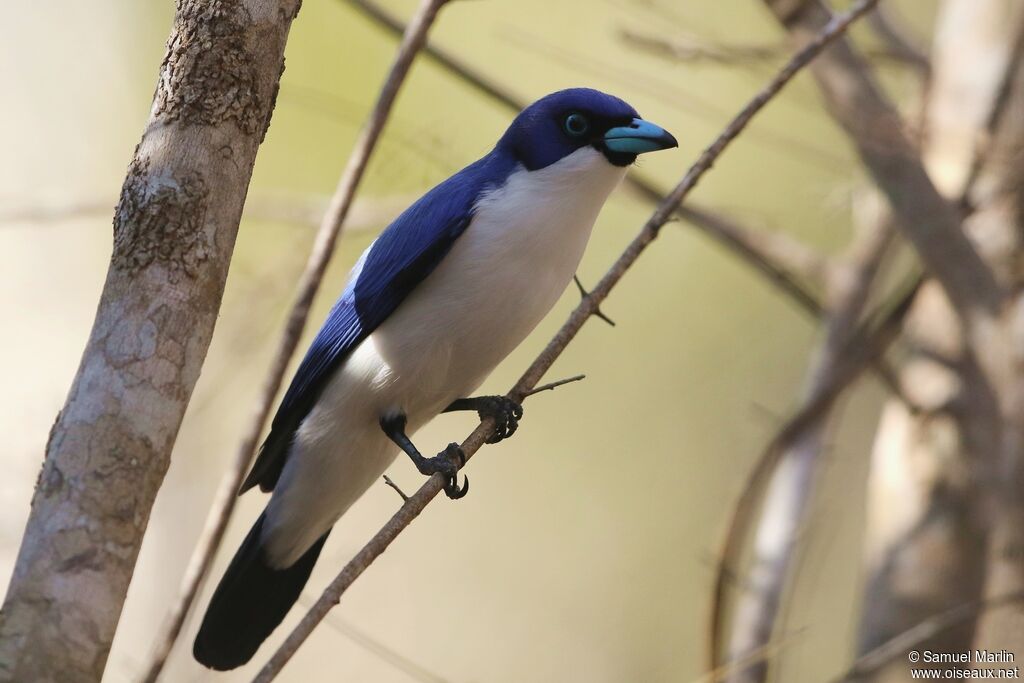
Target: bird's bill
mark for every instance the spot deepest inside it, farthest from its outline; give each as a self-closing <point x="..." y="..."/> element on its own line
<point x="638" y="137"/>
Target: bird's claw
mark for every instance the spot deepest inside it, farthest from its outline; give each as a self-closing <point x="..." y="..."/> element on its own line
<point x="447" y="463"/>
<point x="506" y="414"/>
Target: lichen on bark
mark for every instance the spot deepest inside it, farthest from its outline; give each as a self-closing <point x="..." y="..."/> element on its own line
<point x="208" y="74"/>
<point x="160" y="217"/>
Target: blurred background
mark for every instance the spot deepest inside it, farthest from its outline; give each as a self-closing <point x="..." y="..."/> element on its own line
<point x="587" y="547"/>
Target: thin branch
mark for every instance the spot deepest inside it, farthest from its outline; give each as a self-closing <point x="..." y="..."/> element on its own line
<point x="553" y="385"/>
<point x="584" y="294"/>
<point x="390" y="482"/>
<point x="692" y="49"/>
<point x="323" y="248"/>
<point x="384" y="652"/>
<point x="586" y="308"/>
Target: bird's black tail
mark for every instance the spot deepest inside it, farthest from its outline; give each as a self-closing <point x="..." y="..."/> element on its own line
<point x="250" y="601"/>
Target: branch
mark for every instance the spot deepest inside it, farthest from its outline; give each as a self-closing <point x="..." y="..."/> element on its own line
<point x="323" y="248"/>
<point x="868" y="344"/>
<point x="695" y="50"/>
<point x="790" y="487"/>
<point x="586" y="308"/>
<point x="929" y="222"/>
<point x="174" y="232"/>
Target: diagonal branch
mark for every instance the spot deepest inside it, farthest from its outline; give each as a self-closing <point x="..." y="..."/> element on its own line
<point x="928" y="221"/>
<point x="586" y="308"/>
<point x="790" y="486"/>
<point x="866" y="345"/>
<point x="323" y="247"/>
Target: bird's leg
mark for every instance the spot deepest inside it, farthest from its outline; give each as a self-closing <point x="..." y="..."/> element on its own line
<point x="505" y="411"/>
<point x="447" y="462"/>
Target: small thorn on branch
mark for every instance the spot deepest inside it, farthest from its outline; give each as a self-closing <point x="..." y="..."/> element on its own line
<point x="392" y="484"/>
<point x="597" y="310"/>
<point x="554" y="385"/>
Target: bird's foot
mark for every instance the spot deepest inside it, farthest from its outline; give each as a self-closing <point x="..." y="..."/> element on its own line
<point x="505" y="412"/>
<point x="447" y="463"/>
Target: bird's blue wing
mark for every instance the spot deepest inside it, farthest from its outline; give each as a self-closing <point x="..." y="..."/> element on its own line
<point x="404" y="254"/>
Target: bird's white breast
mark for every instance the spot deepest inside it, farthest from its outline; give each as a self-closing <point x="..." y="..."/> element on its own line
<point x="500" y="279"/>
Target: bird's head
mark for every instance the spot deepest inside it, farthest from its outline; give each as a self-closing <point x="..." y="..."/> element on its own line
<point x="563" y="122"/>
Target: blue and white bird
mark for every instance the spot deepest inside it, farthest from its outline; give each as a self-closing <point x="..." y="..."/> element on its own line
<point x="434" y="304"/>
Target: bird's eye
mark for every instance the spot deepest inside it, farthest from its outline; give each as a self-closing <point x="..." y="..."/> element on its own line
<point x="576" y="125"/>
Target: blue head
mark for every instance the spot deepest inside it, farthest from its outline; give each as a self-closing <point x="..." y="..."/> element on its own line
<point x="557" y="125"/>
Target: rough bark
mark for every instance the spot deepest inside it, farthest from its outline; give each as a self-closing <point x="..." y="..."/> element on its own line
<point x="927" y="527"/>
<point x="174" y="231"/>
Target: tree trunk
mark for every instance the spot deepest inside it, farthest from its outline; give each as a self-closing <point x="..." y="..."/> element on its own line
<point x="174" y="231"/>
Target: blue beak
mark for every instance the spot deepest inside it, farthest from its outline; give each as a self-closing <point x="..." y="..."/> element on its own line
<point x="638" y="137"/>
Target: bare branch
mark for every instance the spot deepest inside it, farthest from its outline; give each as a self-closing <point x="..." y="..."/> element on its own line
<point x="390" y="482"/>
<point x="586" y="308"/>
<point x="554" y="385"/>
<point x="791" y="485"/>
<point x="874" y="126"/>
<point x="692" y="49"/>
<point x="862" y="348"/>
<point x="323" y="248"/>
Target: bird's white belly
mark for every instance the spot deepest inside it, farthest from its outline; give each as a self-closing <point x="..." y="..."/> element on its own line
<point x="499" y="280"/>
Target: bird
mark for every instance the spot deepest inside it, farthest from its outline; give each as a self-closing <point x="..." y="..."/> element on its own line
<point x="431" y="307"/>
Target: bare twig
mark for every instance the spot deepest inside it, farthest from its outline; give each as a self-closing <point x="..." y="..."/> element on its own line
<point x="584" y="294"/>
<point x="553" y="385"/>
<point x="390" y="482"/>
<point x="383" y="652"/>
<point x="323" y="248"/>
<point x="692" y="49"/>
<point x="586" y="308"/>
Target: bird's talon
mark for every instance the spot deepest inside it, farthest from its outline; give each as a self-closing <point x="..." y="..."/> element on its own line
<point x="452" y="490"/>
<point x="506" y="414"/>
<point x="454" y="453"/>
